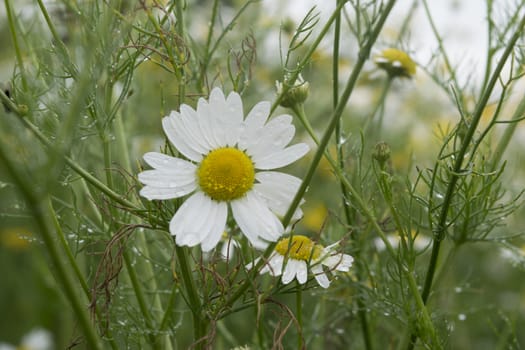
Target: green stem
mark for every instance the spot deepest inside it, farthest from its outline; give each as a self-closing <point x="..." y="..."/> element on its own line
<point x="169" y="308"/>
<point x="439" y="233"/>
<point x="141" y="299"/>
<point x="41" y="216"/>
<point x="335" y="99"/>
<point x="364" y="53"/>
<point x="200" y="324"/>
<point x="7" y="102"/>
<point x="341" y="163"/>
<point x="70" y="258"/>
<point x="122" y="149"/>
<point x="57" y="41"/>
<point x="295" y="73"/>
<point x="507" y="135"/>
<point x="448" y="65"/>
<point x="81" y="171"/>
<point x="379" y="106"/>
<point x="299" y="313"/>
<point x="18" y="53"/>
<point x="72" y="262"/>
<point x="207" y="53"/>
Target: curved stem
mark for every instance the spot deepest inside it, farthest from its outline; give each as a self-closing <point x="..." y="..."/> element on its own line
<point x="18" y="53"/>
<point x="507" y="135"/>
<point x="441" y="228"/>
<point x="439" y="233"/>
<point x="299" y="315"/>
<point x="200" y="323"/>
<point x="41" y="216"/>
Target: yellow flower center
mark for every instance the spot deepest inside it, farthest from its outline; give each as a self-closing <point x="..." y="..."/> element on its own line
<point x="226" y="174"/>
<point x="301" y="248"/>
<point x="407" y="66"/>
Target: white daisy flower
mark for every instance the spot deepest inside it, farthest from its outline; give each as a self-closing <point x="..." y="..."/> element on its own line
<point x="224" y="150"/>
<point x="302" y="254"/>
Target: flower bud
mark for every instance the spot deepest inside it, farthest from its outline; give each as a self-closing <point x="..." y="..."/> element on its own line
<point x="381" y="153"/>
<point x="296" y="94"/>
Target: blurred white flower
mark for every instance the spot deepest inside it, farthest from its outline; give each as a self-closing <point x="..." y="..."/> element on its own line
<point x="37" y="339"/>
<point x="421" y="242"/>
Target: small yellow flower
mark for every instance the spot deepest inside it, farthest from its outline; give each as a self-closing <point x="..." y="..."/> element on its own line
<point x="396" y="63"/>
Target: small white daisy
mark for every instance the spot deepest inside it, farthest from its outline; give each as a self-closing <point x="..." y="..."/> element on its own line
<point x="224" y="150"/>
<point x="302" y="254"/>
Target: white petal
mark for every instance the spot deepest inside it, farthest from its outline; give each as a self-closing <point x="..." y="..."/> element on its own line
<point x="228" y="248"/>
<point x="346" y="263"/>
<point x="215" y="231"/>
<point x="302" y="271"/>
<point x="166" y="178"/>
<point x="291" y="270"/>
<point x="278" y="189"/>
<point x="178" y="138"/>
<point x="275" y="264"/>
<point x="162" y="161"/>
<point x="251" y="265"/>
<point x="340" y="262"/>
<point x="151" y="192"/>
<point x="190" y="121"/>
<point x="173" y="178"/>
<point x="254" y="123"/>
<point x="218" y="113"/>
<point x="274" y="136"/>
<point x="195" y="219"/>
<point x="207" y="124"/>
<point x="320" y="276"/>
<point x="282" y="157"/>
<point x="381" y="60"/>
<point x="234" y="117"/>
<point x="255" y="218"/>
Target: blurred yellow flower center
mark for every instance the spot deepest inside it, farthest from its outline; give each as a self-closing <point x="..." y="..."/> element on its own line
<point x="301" y="248"/>
<point x="226" y="174"/>
<point x="396" y="62"/>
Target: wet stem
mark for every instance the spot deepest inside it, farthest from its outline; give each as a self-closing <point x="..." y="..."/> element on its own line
<point x="41" y="214"/>
<point x="441" y="225"/>
<point x="299" y="313"/>
<point x="341" y="165"/>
